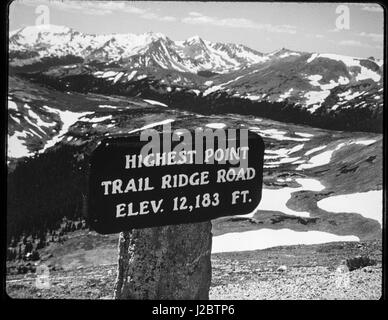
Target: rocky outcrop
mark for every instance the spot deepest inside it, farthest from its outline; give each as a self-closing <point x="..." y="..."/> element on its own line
<point x="359" y="262"/>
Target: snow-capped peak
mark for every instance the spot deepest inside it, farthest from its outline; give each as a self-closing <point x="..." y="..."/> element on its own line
<point x="156" y="49"/>
<point x="191" y="55"/>
<point x="155" y="35"/>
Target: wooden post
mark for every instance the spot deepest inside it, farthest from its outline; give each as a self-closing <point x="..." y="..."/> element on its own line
<point x="170" y="262"/>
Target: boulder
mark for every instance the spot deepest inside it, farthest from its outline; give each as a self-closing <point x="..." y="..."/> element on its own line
<point x="359" y="262"/>
<point x="282" y="269"/>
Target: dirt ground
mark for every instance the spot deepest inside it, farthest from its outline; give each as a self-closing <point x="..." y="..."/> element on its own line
<point x="289" y="272"/>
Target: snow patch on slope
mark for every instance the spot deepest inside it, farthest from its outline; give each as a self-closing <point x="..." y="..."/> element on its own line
<point x="157" y="103"/>
<point x="276" y="199"/>
<point x="68" y="118"/>
<point x="16" y="145"/>
<point x="369" y="204"/>
<point x="268" y="238"/>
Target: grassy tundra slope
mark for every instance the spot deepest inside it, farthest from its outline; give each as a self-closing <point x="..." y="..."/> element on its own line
<point x="303" y="166"/>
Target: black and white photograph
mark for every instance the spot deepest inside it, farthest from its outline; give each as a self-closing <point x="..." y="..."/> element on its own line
<point x="187" y="150"/>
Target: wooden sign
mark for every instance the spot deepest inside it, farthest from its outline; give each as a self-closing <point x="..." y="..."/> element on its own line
<point x="180" y="183"/>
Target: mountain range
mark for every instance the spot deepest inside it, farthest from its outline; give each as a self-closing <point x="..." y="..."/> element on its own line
<point x="31" y="44"/>
<point x="317" y="86"/>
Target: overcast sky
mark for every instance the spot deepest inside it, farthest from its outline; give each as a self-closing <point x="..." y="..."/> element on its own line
<point x="262" y="26"/>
